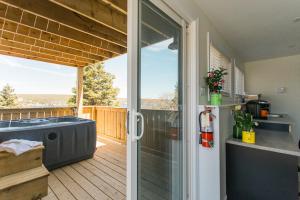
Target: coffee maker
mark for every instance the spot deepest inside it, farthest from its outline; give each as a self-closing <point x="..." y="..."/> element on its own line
<point x="260" y="109"/>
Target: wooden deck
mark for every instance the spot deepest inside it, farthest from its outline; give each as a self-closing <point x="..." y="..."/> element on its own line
<point x="103" y="177"/>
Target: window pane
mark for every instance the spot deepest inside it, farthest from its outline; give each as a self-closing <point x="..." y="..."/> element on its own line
<point x="217" y="60"/>
<point x="239" y="81"/>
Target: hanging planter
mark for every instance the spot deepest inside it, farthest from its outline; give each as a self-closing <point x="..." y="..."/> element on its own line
<point x="215" y="82"/>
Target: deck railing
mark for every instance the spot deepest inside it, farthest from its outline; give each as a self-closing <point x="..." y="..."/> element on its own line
<point x="28" y="113"/>
<point x="159" y="131"/>
<point x="110" y="121"/>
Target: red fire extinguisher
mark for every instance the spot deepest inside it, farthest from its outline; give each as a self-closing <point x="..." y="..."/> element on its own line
<point x="206" y="129"/>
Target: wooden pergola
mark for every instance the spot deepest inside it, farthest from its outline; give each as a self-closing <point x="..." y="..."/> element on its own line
<point x="70" y="32"/>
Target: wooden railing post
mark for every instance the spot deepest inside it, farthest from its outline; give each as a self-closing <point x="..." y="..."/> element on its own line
<point x="79" y="98"/>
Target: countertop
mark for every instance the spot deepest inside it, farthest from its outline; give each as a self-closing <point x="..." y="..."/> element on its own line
<point x="277" y="120"/>
<point x="269" y="140"/>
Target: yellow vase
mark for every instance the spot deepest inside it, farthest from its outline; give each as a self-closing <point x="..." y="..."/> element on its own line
<point x="248" y="137"/>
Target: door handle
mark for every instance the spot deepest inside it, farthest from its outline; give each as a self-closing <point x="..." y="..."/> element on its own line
<point x="141" y="118"/>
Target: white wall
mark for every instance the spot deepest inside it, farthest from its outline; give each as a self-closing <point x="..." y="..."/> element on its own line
<point x="265" y="76"/>
<point x="192" y="11"/>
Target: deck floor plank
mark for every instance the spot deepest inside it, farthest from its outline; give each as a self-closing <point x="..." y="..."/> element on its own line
<point x="90" y="188"/>
<point x="108" y="171"/>
<point x="117" y="160"/>
<point x="103" y="177"/>
<point x="60" y="191"/>
<point x="99" y="183"/>
<point x="72" y="186"/>
<point x="51" y="195"/>
<point x="113" y="154"/>
<point x="110" y="165"/>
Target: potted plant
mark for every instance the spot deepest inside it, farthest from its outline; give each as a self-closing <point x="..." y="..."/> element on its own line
<point x="248" y="134"/>
<point x="238" y="116"/>
<point x="215" y="82"/>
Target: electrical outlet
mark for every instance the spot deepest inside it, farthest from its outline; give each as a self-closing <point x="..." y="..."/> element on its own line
<point x="281" y="90"/>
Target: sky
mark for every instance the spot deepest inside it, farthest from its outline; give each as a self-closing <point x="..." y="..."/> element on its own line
<point x="159" y="70"/>
<point x="158" y="73"/>
<point x="35" y="77"/>
<point x="118" y="67"/>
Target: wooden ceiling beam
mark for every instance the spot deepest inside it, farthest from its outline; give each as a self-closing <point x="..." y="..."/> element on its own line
<point x="97" y="11"/>
<point x="39" y="52"/>
<point x="59" y="14"/>
<point x="43" y="47"/>
<point x="17" y="53"/>
<point x="120" y="5"/>
<point x="42" y="24"/>
<point x="38" y="48"/>
<point x="21" y="34"/>
<point x="72" y="45"/>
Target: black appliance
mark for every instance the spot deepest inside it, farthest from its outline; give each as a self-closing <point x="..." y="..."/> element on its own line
<point x="258" y="108"/>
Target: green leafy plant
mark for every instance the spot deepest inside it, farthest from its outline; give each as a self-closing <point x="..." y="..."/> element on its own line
<point x="215" y="79"/>
<point x="243" y="122"/>
<point x="248" y="123"/>
<point x="238" y="116"/>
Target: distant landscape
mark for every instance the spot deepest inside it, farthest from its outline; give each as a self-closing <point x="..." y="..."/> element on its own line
<point x="59" y="100"/>
<point x="50" y="100"/>
<point x="42" y="100"/>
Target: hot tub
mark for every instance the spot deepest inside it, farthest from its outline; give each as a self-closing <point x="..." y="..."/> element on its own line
<point x="66" y="139"/>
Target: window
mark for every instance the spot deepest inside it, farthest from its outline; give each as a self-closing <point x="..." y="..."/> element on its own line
<point x="239" y="85"/>
<point x="217" y="60"/>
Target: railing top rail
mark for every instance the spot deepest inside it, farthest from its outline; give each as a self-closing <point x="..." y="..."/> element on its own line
<point x="35" y="108"/>
<point x="146" y="109"/>
<point x="101" y="107"/>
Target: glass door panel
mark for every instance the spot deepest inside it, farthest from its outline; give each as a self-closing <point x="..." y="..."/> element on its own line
<point x="159" y="151"/>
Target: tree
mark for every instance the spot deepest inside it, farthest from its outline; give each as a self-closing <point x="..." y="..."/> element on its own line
<point x="72" y="99"/>
<point x="97" y="87"/>
<point x="7" y="97"/>
<point x="174" y="102"/>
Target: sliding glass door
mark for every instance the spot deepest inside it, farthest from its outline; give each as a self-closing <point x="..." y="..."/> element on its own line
<point x="156" y="135"/>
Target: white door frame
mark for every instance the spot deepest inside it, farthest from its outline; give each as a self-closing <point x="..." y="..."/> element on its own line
<point x="132" y="81"/>
<point x="190" y="94"/>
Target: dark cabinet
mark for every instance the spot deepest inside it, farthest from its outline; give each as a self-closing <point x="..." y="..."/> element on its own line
<point x="255" y="174"/>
